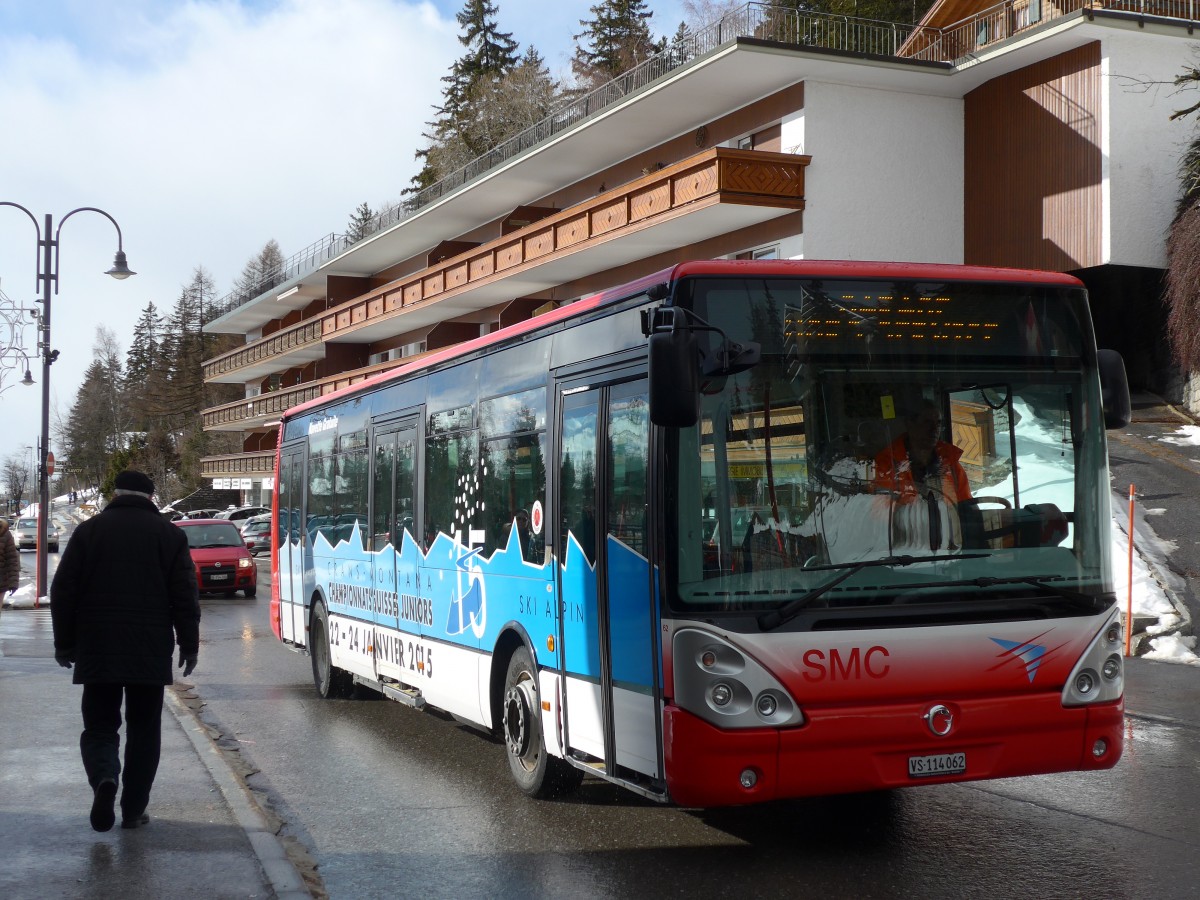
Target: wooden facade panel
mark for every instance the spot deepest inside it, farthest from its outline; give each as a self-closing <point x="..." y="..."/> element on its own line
<point x="343" y="320"/>
<point x="695" y="184"/>
<point x="482" y="266"/>
<point x="572" y="231"/>
<point x="610" y="216"/>
<point x="412" y="293"/>
<point x="358" y="313"/>
<point x="329" y="325"/>
<point x="1033" y="166"/>
<point x="539" y="243"/>
<point x="649" y="202"/>
<point x="375" y="307"/>
<point x="434" y="283"/>
<point x="777" y="180"/>
<point x="508" y="256"/>
<point x="457" y="276"/>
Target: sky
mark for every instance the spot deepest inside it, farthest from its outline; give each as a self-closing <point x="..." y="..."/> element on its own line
<point x="205" y="129"/>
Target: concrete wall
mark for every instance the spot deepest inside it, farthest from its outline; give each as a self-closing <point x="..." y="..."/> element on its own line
<point x="886" y="178"/>
<point x="1142" y="146"/>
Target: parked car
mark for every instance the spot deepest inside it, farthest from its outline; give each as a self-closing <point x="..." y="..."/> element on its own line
<point x="244" y="512"/>
<point x="256" y="532"/>
<point x="25" y="534"/>
<point x="222" y="561"/>
<point x="201" y="514"/>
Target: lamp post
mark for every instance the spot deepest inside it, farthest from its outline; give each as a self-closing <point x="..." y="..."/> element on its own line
<point x="47" y="272"/>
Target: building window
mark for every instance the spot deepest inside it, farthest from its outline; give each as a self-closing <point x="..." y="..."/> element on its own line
<point x="746" y="143"/>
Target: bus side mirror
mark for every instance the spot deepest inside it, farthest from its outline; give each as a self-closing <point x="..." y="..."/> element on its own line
<point x="674" y="377"/>
<point x="1114" y="389"/>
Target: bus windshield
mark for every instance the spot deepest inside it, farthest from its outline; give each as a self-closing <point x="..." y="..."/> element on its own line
<point x="948" y="433"/>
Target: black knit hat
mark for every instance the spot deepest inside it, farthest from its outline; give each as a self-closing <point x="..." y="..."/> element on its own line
<point x="131" y="480"/>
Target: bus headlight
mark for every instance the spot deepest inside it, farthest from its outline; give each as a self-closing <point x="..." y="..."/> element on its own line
<point x="718" y="682"/>
<point x="1112" y="668"/>
<point x="1099" y="676"/>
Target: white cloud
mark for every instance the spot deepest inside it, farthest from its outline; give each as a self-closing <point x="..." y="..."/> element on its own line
<point x="207" y="128"/>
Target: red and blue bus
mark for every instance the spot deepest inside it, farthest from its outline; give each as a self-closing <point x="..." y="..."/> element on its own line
<point x="648" y="536"/>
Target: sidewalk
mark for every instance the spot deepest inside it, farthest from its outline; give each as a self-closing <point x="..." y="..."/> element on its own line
<point x="202" y="841"/>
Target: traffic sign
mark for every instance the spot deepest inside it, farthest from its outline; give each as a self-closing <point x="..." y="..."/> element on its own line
<point x="49" y="464"/>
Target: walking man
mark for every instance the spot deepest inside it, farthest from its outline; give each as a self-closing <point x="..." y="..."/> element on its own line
<point x="123" y="596"/>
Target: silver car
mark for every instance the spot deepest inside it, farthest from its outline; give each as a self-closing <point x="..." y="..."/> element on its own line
<point x="25" y="534"/>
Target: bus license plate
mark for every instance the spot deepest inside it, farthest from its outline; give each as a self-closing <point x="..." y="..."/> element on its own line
<point x="941" y="764"/>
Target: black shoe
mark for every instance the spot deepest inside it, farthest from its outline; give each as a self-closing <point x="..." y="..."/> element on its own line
<point x="135" y="821"/>
<point x="103" y="815"/>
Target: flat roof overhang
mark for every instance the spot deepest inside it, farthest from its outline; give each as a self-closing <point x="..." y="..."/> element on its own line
<point x="728" y="79"/>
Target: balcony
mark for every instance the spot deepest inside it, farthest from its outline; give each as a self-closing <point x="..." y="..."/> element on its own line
<point x="241" y="465"/>
<point x="257" y="412"/>
<point x="706" y="195"/>
<point x="278" y="352"/>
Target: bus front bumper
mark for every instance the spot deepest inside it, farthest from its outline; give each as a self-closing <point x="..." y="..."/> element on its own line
<point x="865" y="748"/>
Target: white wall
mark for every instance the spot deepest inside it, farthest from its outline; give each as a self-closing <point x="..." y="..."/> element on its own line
<point x="1142" y="147"/>
<point x="886" y="178"/>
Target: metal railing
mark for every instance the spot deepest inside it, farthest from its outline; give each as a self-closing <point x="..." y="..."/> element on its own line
<point x="753" y="20"/>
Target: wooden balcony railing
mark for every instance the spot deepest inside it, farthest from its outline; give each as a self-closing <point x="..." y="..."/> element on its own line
<point x="252" y="412"/>
<point x="244" y="465"/>
<point x="716" y="176"/>
<point x="299" y="335"/>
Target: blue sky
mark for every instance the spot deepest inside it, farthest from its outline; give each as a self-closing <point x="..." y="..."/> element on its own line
<point x="207" y="128"/>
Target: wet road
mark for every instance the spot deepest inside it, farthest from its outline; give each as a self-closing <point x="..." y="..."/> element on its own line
<point x="389" y="801"/>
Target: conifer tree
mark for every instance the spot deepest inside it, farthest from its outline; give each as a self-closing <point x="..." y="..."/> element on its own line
<point x="142" y="361"/>
<point x="491" y="55"/>
<point x="361" y="224"/>
<point x="615" y="40"/>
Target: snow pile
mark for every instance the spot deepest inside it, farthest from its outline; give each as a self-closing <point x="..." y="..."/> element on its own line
<point x="23" y="598"/>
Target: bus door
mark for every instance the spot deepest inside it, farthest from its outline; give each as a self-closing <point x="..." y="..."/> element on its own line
<point x="393" y="512"/>
<point x="292" y="542"/>
<point x="608" y="624"/>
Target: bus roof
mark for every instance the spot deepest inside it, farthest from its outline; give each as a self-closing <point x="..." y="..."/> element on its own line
<point x="758" y="268"/>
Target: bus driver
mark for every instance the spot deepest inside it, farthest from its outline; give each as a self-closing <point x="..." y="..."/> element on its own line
<point x="919" y="459"/>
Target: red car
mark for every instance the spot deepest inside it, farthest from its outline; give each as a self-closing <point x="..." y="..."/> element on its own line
<point x="222" y="561"/>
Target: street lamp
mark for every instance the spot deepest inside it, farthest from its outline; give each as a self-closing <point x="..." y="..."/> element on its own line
<point x="47" y="272"/>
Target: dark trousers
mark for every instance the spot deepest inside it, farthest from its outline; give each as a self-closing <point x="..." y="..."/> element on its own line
<point x="100" y="743"/>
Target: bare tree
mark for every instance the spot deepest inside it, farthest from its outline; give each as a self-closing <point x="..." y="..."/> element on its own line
<point x="17" y="476"/>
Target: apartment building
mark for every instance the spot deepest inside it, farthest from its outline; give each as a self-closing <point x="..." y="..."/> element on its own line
<point x="1028" y="134"/>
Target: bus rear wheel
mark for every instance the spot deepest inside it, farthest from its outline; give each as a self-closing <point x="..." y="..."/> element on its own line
<point x="331" y="682"/>
<point x="536" y="772"/>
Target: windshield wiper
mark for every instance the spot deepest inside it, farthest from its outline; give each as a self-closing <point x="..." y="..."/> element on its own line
<point x="1078" y="599"/>
<point x="769" y="621"/>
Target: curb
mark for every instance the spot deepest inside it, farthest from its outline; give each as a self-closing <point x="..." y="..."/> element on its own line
<point x="283" y="876"/>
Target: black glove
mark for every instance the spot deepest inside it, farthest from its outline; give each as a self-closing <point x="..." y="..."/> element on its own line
<point x="64" y="658"/>
<point x="187" y="663"/>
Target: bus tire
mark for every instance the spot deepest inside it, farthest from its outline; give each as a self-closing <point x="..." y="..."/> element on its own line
<point x="535" y="771"/>
<point x="331" y="682"/>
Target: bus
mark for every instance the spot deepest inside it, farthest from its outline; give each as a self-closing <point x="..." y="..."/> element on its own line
<point x="648" y="535"/>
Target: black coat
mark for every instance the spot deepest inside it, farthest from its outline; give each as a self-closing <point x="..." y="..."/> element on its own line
<point x="123" y="594"/>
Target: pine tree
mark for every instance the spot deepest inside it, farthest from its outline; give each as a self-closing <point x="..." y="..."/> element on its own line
<point x="614" y="41"/>
<point x="490" y="56"/>
<point x="361" y="224"/>
<point x="142" y="362"/>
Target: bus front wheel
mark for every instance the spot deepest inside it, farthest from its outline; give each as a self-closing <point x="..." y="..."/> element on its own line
<point x="330" y="682"/>
<point x="536" y="772"/>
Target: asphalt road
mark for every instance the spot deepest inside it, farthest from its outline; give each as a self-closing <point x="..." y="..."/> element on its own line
<point x="387" y="801"/>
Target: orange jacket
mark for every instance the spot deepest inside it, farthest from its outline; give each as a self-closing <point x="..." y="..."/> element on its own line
<point x="893" y="471"/>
